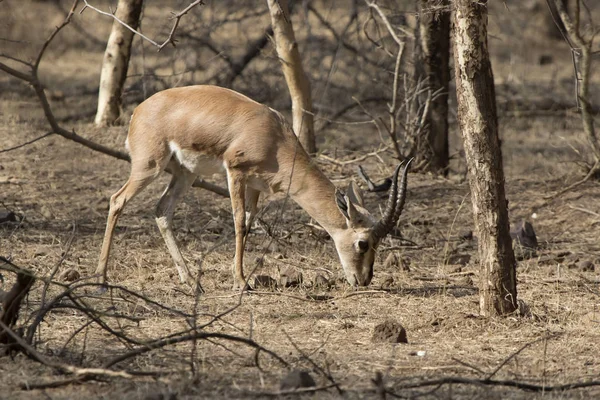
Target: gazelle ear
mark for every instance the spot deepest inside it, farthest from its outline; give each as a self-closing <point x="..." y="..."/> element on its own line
<point x="342" y="204"/>
<point x="355" y="194"/>
<point x="347" y="208"/>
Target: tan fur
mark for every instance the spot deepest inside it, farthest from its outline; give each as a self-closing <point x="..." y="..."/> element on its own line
<point x="191" y="127"/>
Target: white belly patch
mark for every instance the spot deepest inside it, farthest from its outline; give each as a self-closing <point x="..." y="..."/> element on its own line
<point x="196" y="162"/>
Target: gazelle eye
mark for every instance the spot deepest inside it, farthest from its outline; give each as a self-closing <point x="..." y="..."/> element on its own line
<point x="363" y="246"/>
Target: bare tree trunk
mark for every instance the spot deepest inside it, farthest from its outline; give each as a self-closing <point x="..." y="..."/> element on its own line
<point x="432" y="63"/>
<point x="479" y="126"/>
<point x="297" y="81"/>
<point x="116" y="62"/>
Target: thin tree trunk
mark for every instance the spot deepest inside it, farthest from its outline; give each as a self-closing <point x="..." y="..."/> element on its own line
<point x="297" y="81"/>
<point x="116" y="62"/>
<point x="432" y="63"/>
<point x="571" y="28"/>
<point x="479" y="126"/>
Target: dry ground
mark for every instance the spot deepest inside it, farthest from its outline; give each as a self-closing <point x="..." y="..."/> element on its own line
<point x="62" y="189"/>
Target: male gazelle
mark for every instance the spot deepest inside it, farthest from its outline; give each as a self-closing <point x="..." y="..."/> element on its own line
<point x="194" y="129"/>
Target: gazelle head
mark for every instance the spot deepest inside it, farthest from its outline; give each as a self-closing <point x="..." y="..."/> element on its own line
<point x="357" y="244"/>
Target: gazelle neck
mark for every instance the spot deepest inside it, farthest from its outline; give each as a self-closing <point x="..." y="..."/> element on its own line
<point x="311" y="189"/>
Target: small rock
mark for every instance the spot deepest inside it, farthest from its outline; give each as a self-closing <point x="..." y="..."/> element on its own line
<point x="524" y="234"/>
<point x="321" y="282"/>
<point x="586" y="266"/>
<point x="264" y="281"/>
<point x="8" y="216"/>
<point x="389" y="332"/>
<point x="69" y="275"/>
<point x="297" y="379"/>
<point x="289" y="277"/>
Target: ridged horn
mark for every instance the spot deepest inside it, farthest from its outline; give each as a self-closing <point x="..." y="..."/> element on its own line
<point x="401" y="193"/>
<point x="383" y="226"/>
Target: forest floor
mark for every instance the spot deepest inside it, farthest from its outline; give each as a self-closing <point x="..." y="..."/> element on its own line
<point x="60" y="190"/>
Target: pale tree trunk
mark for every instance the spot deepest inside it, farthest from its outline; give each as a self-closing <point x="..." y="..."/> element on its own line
<point x="479" y="126"/>
<point x="297" y="81"/>
<point x="432" y="63"/>
<point x="116" y="62"/>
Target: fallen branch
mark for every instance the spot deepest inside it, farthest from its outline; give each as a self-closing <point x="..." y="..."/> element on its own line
<point x="490" y="382"/>
<point x="64" y="368"/>
<point x="157" y="344"/>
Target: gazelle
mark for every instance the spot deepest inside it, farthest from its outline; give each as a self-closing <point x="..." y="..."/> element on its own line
<point x="194" y="129"/>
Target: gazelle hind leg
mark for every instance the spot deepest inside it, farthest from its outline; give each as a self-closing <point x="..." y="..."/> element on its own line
<point x="237" y="188"/>
<point x="180" y="182"/>
<point x="252" y="196"/>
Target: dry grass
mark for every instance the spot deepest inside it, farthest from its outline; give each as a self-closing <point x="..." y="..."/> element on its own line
<point x="57" y="185"/>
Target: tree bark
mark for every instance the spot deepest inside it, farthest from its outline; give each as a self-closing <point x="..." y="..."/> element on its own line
<point x="479" y="126"/>
<point x="116" y="62"/>
<point x="297" y="81"/>
<point x="432" y="56"/>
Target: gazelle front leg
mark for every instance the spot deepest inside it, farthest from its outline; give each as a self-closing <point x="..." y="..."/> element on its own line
<point x="237" y="190"/>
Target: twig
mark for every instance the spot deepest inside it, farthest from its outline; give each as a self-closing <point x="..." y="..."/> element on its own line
<point x="189" y="337"/>
<point x="585" y="210"/>
<point x="361" y="293"/>
<point x="170" y="39"/>
<point x="57" y="266"/>
<point x="595" y="168"/>
<point x="314" y="364"/>
<point x="354" y="160"/>
<point x="466" y="364"/>
<point x="26" y="143"/>
<point x="67" y="20"/>
<point x="485" y="382"/>
<point x="64" y="368"/>
<point x="513" y="355"/>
